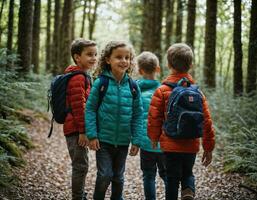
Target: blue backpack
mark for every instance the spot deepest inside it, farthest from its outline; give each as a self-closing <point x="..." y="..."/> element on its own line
<point x="184" y="111"/>
<point x="57" y="97"/>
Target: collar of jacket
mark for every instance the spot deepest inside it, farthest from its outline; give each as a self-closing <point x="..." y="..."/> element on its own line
<point x="175" y="77"/>
<point x="146" y="84"/>
<point x="109" y="74"/>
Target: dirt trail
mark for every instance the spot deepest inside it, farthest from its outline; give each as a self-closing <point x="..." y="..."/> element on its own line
<point x="48" y="171"/>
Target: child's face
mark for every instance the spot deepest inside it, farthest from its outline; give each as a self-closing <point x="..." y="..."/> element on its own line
<point x="88" y="58"/>
<point x="119" y="60"/>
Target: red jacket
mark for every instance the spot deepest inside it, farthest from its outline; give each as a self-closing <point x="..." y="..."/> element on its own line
<point x="157" y="114"/>
<point x="76" y="98"/>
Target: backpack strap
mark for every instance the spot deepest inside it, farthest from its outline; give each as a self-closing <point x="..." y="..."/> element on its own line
<point x="171" y="85"/>
<point x="133" y="87"/>
<point x="104" y="82"/>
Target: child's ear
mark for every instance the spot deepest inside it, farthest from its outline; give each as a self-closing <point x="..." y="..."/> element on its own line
<point x="76" y="57"/>
<point x="141" y="72"/>
<point x="107" y="60"/>
<point x="158" y="69"/>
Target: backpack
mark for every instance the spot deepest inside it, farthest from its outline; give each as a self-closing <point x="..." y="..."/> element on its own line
<point x="57" y="97"/>
<point x="104" y="82"/>
<point x="184" y="111"/>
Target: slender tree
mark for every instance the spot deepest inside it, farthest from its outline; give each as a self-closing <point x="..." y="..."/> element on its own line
<point x="56" y="38"/>
<point x="152" y="26"/>
<point x="48" y="36"/>
<point x="66" y="33"/>
<point x="238" y="53"/>
<point x="73" y="23"/>
<point x="10" y="25"/>
<point x="1" y="14"/>
<point x="36" y="35"/>
<point x="191" y="14"/>
<point x="210" y="44"/>
<point x="179" y="21"/>
<point x="252" y="49"/>
<point x="83" y="19"/>
<point x="25" y="34"/>
<point x="169" y="22"/>
<point x="92" y="17"/>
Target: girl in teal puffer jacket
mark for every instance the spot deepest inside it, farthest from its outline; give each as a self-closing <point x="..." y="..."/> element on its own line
<point x="151" y="158"/>
<point x="116" y="122"/>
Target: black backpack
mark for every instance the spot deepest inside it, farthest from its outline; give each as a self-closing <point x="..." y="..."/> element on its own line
<point x="57" y="97"/>
<point x="184" y="111"/>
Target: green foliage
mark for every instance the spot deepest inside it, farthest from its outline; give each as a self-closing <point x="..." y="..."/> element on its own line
<point x="236" y="129"/>
<point x="17" y="92"/>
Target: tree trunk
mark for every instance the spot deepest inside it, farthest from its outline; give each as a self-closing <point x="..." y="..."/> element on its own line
<point x="151" y="28"/>
<point x="83" y="19"/>
<point x="179" y="21"/>
<point x="73" y="23"/>
<point x="238" y="53"/>
<point x="36" y="36"/>
<point x="56" y="38"/>
<point x="92" y="19"/>
<point x="1" y="14"/>
<point x="169" y="22"/>
<point x="210" y="44"/>
<point x="10" y="25"/>
<point x="25" y="34"/>
<point x="252" y="55"/>
<point x="48" y="37"/>
<point x="191" y="10"/>
<point x="66" y="34"/>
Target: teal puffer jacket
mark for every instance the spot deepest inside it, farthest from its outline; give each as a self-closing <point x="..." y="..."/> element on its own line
<point x="120" y="118"/>
<point x="147" y="88"/>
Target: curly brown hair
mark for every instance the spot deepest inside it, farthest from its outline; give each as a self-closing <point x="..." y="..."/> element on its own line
<point x="106" y="53"/>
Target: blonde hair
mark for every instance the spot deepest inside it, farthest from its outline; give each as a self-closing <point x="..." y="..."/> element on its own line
<point x="147" y="61"/>
<point x="180" y="57"/>
<point x="107" y="52"/>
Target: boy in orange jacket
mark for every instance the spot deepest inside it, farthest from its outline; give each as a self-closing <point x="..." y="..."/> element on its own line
<point x="180" y="153"/>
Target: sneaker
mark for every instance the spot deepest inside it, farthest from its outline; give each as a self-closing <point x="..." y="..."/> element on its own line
<point x="187" y="194"/>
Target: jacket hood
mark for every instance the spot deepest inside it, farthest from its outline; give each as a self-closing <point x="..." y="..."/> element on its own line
<point x="175" y="77"/>
<point x="72" y="68"/>
<point x="146" y="84"/>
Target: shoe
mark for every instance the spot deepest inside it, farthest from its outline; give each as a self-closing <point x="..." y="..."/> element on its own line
<point x="187" y="194"/>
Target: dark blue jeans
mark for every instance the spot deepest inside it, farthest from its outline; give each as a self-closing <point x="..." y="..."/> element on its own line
<point x="150" y="161"/>
<point x="110" y="161"/>
<point x="179" y="169"/>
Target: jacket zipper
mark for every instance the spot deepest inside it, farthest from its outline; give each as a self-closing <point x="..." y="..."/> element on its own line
<point x="118" y="116"/>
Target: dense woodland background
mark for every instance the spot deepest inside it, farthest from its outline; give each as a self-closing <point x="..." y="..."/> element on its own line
<point x="35" y="37"/>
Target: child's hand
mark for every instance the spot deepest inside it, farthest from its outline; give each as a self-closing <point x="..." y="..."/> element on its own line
<point x="154" y="145"/>
<point x="207" y="158"/>
<point x="94" y="144"/>
<point x="83" y="141"/>
<point x="133" y="150"/>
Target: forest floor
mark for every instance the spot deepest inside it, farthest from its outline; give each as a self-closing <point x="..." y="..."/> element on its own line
<point x="48" y="171"/>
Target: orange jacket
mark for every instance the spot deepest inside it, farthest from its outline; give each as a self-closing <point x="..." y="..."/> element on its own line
<point x="76" y="98"/>
<point x="157" y="115"/>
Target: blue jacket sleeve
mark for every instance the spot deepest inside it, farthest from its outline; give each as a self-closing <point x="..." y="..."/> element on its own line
<point x="137" y="119"/>
<point x="91" y="111"/>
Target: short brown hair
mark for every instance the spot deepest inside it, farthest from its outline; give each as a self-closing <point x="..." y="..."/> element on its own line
<point x="180" y="57"/>
<point x="147" y="61"/>
<point x="78" y="45"/>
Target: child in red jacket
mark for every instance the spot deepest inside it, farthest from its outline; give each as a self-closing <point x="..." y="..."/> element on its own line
<point x="84" y="54"/>
<point x="180" y="153"/>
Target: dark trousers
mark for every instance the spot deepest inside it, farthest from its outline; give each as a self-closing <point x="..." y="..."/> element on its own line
<point x="179" y="170"/>
<point x="79" y="162"/>
<point x="110" y="161"/>
<point x="150" y="162"/>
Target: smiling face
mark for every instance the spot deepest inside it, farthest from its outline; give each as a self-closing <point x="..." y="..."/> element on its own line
<point x="88" y="57"/>
<point x="119" y="61"/>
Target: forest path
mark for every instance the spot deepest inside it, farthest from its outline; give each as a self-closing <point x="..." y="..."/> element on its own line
<point x="48" y="171"/>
